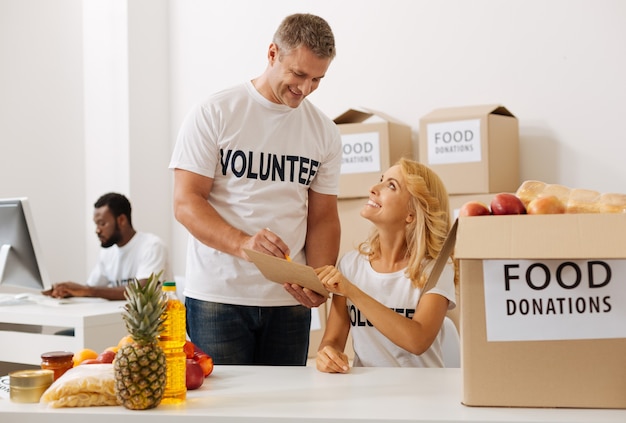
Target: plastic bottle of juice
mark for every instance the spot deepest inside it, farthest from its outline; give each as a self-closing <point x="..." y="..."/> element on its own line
<point x="172" y="340"/>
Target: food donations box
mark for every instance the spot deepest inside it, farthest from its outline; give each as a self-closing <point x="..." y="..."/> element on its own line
<point x="369" y="148"/>
<point x="474" y="149"/>
<point x="543" y="315"/>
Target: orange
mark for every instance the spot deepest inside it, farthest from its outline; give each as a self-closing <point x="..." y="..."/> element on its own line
<point x="113" y="348"/>
<point x="84" y="354"/>
<point x="125" y="340"/>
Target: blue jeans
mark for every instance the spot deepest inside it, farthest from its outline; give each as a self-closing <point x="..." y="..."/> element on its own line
<point x="235" y="334"/>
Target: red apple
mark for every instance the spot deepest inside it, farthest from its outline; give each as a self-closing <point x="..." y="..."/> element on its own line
<point x="194" y="374"/>
<point x="91" y="361"/>
<point x="189" y="348"/>
<point x="106" y="356"/>
<point x="549" y="204"/>
<point x="474" y="208"/>
<point x="205" y="361"/>
<point x="507" y="203"/>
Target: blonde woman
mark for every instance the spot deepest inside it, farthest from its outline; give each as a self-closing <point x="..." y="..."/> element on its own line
<point x="376" y="288"/>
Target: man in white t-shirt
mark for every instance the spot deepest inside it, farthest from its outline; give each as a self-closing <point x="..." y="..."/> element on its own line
<point x="256" y="166"/>
<point x="125" y="255"/>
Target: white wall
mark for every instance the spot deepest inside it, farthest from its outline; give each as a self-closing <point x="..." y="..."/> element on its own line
<point x="84" y="110"/>
<point x="41" y="124"/>
<point x="558" y="65"/>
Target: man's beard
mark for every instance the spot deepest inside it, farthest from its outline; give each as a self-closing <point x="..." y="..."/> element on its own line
<point x="113" y="239"/>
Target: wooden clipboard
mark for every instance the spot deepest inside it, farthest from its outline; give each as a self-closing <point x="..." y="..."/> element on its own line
<point x="283" y="271"/>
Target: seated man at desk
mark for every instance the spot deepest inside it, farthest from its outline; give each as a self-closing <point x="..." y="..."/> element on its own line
<point x="125" y="254"/>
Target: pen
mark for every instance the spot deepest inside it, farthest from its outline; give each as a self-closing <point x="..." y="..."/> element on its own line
<point x="287" y="257"/>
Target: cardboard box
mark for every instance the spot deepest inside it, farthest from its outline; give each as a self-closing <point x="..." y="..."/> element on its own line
<point x="318" y="325"/>
<point x="369" y="148"/>
<point x="543" y="310"/>
<point x="354" y="228"/>
<point x="474" y="149"/>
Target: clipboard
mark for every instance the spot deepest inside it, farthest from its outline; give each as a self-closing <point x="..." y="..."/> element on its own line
<point x="283" y="271"/>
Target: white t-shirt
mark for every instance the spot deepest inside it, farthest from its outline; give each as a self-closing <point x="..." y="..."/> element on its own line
<point x="263" y="158"/>
<point x="143" y="255"/>
<point x="394" y="290"/>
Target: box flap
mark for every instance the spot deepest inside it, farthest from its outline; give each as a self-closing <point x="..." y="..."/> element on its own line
<point x="468" y="111"/>
<point x="572" y="236"/>
<point x="361" y="115"/>
<point x="446" y="251"/>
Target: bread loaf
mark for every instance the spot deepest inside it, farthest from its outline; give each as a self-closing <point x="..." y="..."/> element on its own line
<point x="529" y="190"/>
<point x="583" y="201"/>
<point x="612" y="203"/>
<point x="576" y="200"/>
<point x="559" y="191"/>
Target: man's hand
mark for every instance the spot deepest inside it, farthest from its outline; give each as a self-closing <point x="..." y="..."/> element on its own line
<point x="67" y="289"/>
<point x="305" y="296"/>
<point x="267" y="242"/>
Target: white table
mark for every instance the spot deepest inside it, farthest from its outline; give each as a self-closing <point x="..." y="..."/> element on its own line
<point x="238" y="394"/>
<point x="96" y="325"/>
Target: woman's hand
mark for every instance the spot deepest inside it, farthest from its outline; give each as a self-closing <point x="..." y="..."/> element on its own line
<point x="333" y="280"/>
<point x="331" y="360"/>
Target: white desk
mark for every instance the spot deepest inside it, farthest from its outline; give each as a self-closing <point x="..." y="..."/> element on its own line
<point x="96" y="325"/>
<point x="244" y="394"/>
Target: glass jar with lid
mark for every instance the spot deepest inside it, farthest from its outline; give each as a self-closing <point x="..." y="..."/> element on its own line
<point x="57" y="361"/>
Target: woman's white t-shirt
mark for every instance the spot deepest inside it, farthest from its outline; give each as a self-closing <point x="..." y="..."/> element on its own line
<point x="263" y="158"/>
<point x="394" y="290"/>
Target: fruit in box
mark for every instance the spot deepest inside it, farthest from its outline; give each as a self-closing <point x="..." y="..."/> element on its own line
<point x="546" y="205"/>
<point x="507" y="203"/>
<point x="474" y="208"/>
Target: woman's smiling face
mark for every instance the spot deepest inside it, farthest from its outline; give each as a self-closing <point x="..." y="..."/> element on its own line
<point x="389" y="200"/>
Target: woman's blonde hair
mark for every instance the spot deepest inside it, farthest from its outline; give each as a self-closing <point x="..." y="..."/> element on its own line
<point x="426" y="234"/>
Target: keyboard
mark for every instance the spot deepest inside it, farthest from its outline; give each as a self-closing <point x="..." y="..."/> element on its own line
<point x="21" y="299"/>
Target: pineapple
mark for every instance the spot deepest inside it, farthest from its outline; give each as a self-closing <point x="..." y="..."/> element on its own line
<point x="140" y="367"/>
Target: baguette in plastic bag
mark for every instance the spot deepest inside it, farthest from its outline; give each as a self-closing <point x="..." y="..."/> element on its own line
<point x="86" y="385"/>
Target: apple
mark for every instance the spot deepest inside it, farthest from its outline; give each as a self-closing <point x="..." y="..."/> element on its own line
<point x="507" y="203"/>
<point x="106" y="356"/>
<point x="194" y="376"/>
<point x="91" y="361"/>
<point x="549" y="204"/>
<point x="205" y="361"/>
<point x="189" y="348"/>
<point x="474" y="208"/>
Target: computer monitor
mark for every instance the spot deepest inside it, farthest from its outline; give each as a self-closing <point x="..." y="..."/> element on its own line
<point x="22" y="269"/>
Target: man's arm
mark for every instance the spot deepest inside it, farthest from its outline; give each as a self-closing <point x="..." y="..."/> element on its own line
<point x="323" y="230"/>
<point x="192" y="210"/>
<point x="73" y="289"/>
<point x="322" y="242"/>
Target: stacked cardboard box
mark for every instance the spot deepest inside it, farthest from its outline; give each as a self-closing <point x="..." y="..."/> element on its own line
<point x="475" y="151"/>
<point x="372" y="141"/>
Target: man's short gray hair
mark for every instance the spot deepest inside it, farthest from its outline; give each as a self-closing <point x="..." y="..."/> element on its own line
<point x="303" y="29"/>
